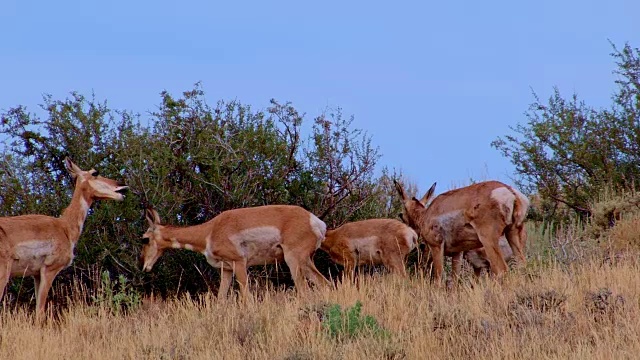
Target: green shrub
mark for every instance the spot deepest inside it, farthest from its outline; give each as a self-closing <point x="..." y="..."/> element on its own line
<point x="350" y="323"/>
<point x="116" y="295"/>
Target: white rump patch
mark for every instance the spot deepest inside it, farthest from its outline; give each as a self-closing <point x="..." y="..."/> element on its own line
<point x="318" y="227"/>
<point x="411" y="237"/>
<point x="505" y="197"/>
<point x="34" y="249"/>
<point x="525" y="205"/>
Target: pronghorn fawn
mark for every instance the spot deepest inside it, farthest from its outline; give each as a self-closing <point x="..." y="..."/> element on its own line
<point x="477" y="258"/>
<point x="373" y="241"/>
<point x="469" y="218"/>
<point x="41" y="246"/>
<point x="236" y="239"/>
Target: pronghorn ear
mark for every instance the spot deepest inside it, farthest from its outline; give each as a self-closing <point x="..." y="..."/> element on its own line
<point x="72" y="168"/>
<point x="400" y="190"/>
<point x="152" y="217"/>
<point x="418" y="202"/>
<point x="428" y="195"/>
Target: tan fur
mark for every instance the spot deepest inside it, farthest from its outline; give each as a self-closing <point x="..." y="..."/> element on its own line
<point x="478" y="257"/>
<point x="41" y="246"/>
<point x="239" y="238"/>
<point x="469" y="218"/>
<point x="373" y="241"/>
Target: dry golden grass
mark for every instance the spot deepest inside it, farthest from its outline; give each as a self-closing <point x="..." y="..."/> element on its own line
<point x="587" y="310"/>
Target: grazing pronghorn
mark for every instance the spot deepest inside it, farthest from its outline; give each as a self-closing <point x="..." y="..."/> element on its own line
<point x="239" y="238"/>
<point x="373" y="241"/>
<point x="469" y="218"/>
<point x="41" y="246"/>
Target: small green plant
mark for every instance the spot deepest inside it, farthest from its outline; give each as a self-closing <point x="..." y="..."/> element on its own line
<point x="349" y="323"/>
<point x="116" y="295"/>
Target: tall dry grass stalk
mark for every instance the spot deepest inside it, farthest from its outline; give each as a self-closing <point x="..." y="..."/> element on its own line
<point x="587" y="310"/>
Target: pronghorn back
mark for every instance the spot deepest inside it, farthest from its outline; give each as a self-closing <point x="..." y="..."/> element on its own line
<point x="372" y="241"/>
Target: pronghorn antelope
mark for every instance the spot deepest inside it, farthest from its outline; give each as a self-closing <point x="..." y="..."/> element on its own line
<point x="239" y="238"/>
<point x="40" y="246"/>
<point x="469" y="218"/>
<point x="373" y="241"/>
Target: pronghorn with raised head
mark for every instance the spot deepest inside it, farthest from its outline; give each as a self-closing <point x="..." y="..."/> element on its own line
<point x="373" y="241"/>
<point x="469" y="218"/>
<point x="41" y="246"/>
<point x="236" y="239"/>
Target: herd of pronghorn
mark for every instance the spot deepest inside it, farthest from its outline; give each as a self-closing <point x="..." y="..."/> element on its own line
<point x="483" y="223"/>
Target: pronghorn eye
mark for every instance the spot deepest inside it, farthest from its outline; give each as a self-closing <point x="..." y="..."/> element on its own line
<point x="145" y="241"/>
<point x="95" y="173"/>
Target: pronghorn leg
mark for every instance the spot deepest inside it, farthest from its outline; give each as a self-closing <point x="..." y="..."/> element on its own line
<point x="240" y="270"/>
<point x="477" y="271"/>
<point x="437" y="258"/>
<point x="456" y="266"/>
<point x="426" y="260"/>
<point x="349" y="271"/>
<point x="395" y="264"/>
<point x="5" y="275"/>
<point x="489" y="237"/>
<point x="517" y="238"/>
<point x="297" y="272"/>
<point x="226" y="276"/>
<point x="43" y="285"/>
<point x="314" y="275"/>
<point x="36" y="282"/>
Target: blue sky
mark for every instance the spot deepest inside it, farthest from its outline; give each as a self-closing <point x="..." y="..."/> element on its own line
<point x="432" y="83"/>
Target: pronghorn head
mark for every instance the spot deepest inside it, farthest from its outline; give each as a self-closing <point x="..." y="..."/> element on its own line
<point x="94" y="185"/>
<point x="153" y="243"/>
<point x="412" y="208"/>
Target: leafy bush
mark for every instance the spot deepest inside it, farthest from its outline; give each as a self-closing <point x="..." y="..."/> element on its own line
<point x="116" y="295"/>
<point x="569" y="152"/>
<point x="191" y="161"/>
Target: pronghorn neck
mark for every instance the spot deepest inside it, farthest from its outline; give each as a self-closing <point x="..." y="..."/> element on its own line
<point x="76" y="213"/>
<point x="328" y="241"/>
<point x="420" y="218"/>
<point x="183" y="238"/>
